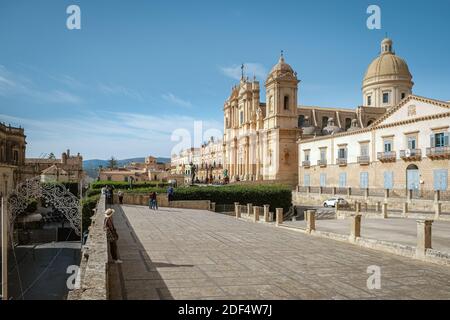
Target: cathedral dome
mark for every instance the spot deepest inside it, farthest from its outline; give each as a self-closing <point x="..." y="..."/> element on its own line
<point x="387" y="80"/>
<point x="282" y="69"/>
<point x="387" y="65"/>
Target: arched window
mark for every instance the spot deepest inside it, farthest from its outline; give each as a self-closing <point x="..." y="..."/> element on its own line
<point x="301" y="121"/>
<point x="324" y="122"/>
<point x="286" y="102"/>
<point x="370" y="122"/>
<point x="348" y="123"/>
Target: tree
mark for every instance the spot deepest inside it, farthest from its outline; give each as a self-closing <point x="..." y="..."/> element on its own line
<point x="112" y="163"/>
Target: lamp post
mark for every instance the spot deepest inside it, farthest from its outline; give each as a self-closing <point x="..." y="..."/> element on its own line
<point x="4" y="220"/>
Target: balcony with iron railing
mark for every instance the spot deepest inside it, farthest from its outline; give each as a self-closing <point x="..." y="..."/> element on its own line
<point x="364" y="160"/>
<point x="322" y="162"/>
<point x="306" y="164"/>
<point x="437" y="153"/>
<point x="341" y="162"/>
<point x="388" y="156"/>
<point x="411" y="154"/>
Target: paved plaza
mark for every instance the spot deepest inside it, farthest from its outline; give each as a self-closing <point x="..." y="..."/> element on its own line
<point x="192" y="254"/>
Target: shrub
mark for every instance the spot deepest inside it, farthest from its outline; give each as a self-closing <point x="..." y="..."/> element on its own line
<point x="277" y="196"/>
<point x="88" y="204"/>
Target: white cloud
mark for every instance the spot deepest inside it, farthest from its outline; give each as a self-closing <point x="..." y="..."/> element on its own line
<point x="250" y="70"/>
<point x="101" y="135"/>
<point x="17" y="85"/>
<point x="170" y="97"/>
<point x="113" y="89"/>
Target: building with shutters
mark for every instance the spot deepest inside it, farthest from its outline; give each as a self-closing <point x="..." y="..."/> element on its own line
<point x="405" y="148"/>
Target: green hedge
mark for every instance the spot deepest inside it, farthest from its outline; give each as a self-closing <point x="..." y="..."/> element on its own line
<point x="88" y="204"/>
<point x="126" y="185"/>
<point x="277" y="196"/>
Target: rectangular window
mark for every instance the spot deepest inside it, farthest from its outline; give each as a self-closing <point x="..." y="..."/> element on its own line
<point x="286" y="102"/>
<point x="403" y="95"/>
<point x="323" y="179"/>
<point x="342" y="180"/>
<point x="342" y="153"/>
<point x="387" y="145"/>
<point x="365" y="150"/>
<point x="323" y="154"/>
<point x="412" y="143"/>
<point x="306" y="155"/>
<point x="439" y="140"/>
<point x="369" y="100"/>
<point x="386" y="97"/>
<point x="364" y="180"/>
<point x="389" y="180"/>
<point x="307" y="180"/>
<point x="440" y="179"/>
<point x="241" y="117"/>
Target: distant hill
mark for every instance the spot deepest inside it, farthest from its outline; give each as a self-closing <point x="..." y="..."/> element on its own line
<point x="91" y="166"/>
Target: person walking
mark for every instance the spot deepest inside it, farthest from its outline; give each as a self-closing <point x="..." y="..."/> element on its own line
<point x="111" y="234"/>
<point x="120" y="195"/>
<point x="170" y="192"/>
<point x="154" y="200"/>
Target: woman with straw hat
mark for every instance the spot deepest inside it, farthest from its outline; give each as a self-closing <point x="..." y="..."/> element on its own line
<point x="111" y="234"/>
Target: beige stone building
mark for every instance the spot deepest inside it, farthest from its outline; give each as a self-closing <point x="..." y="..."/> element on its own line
<point x="403" y="145"/>
<point x="69" y="168"/>
<point x="150" y="170"/>
<point x="12" y="157"/>
<point x="260" y="138"/>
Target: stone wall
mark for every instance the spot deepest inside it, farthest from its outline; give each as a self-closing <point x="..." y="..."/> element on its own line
<point x="142" y="200"/>
<point x="92" y="282"/>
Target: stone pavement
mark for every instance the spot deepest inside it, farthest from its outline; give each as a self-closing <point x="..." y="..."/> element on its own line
<point x="398" y="230"/>
<point x="192" y="254"/>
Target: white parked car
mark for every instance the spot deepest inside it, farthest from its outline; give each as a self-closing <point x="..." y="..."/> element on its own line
<point x="333" y="201"/>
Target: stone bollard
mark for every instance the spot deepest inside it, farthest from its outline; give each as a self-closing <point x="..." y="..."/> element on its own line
<point x="213" y="206"/>
<point x="311" y="221"/>
<point x="255" y="214"/>
<point x="355" y="231"/>
<point x="266" y="213"/>
<point x="437" y="196"/>
<point x="279" y="213"/>
<point x="384" y="210"/>
<point x="423" y="237"/>
<point x="405" y="209"/>
<point x="249" y="209"/>
<point x="377" y="206"/>
<point x="237" y="210"/>
<point x="357" y="207"/>
<point x="437" y="210"/>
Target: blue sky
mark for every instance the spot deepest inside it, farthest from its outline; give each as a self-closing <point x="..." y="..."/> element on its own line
<point x="138" y="70"/>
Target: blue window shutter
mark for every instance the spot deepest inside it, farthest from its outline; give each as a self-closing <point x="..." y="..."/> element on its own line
<point x="446" y="139"/>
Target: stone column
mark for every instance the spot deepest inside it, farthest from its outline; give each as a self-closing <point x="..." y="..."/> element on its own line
<point x="279" y="213"/>
<point x="308" y="190"/>
<point x="311" y="222"/>
<point x="437" y="210"/>
<point x="437" y="196"/>
<point x="349" y="192"/>
<point x="384" y="211"/>
<point x="237" y="210"/>
<point x="357" y="207"/>
<point x="213" y="206"/>
<point x="409" y="195"/>
<point x="386" y="194"/>
<point x="249" y="209"/>
<point x="405" y="209"/>
<point x="355" y="231"/>
<point x="333" y="191"/>
<point x="377" y="206"/>
<point x="266" y="213"/>
<point x="320" y="191"/>
<point x="256" y="214"/>
<point x="366" y="193"/>
<point x="423" y="237"/>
